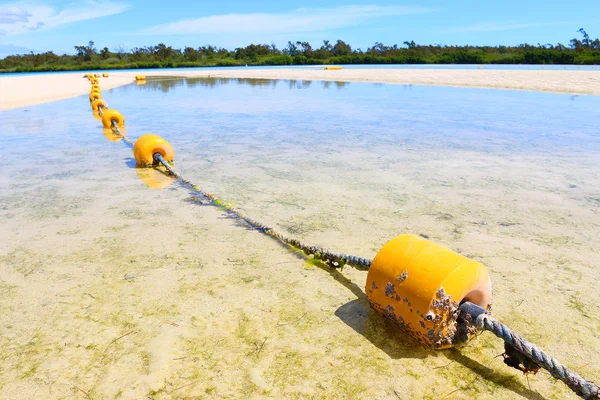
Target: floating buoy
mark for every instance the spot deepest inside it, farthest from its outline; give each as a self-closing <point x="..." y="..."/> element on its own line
<point x="332" y="68"/>
<point x="109" y="116"/>
<point x="153" y="178"/>
<point x="111" y="135"/>
<point x="94" y="80"/>
<point x="105" y="75"/>
<point x="95" y="96"/>
<point x="419" y="285"/>
<point x="98" y="104"/>
<point x="96" y="90"/>
<point x="140" y="78"/>
<point x="148" y="145"/>
<point x="89" y="75"/>
<point x="97" y="75"/>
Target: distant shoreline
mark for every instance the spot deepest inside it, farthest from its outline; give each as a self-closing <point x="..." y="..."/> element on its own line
<point x="19" y="91"/>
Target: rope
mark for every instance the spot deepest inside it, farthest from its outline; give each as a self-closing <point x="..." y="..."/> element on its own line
<point x="585" y="389"/>
<point x="332" y="258"/>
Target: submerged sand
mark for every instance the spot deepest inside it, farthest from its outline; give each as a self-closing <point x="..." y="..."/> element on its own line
<point x="111" y="290"/>
<point x="19" y="91"/>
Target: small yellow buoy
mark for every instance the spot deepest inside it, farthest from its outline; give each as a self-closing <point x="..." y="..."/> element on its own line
<point x="94" y="80"/>
<point x="109" y="116"/>
<point x="105" y="75"/>
<point x="97" y="104"/>
<point x="148" y="145"/>
<point x="95" y="86"/>
<point x="140" y="78"/>
<point x="332" y="68"/>
<point x="419" y="285"/>
<point x="95" y="96"/>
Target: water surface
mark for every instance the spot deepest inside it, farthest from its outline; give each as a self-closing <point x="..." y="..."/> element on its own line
<point x="210" y="308"/>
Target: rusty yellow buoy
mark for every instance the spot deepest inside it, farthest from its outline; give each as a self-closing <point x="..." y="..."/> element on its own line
<point x="419" y="285"/>
<point x="148" y="145"/>
<point x="98" y="104"/>
<point x="153" y="178"/>
<point x="110" y="116"/>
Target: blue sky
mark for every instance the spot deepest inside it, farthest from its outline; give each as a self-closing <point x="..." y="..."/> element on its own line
<point x="58" y="25"/>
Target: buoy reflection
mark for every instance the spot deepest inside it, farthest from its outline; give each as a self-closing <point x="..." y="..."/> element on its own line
<point x="155" y="177"/>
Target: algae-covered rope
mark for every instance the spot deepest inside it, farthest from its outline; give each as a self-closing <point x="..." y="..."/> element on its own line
<point x="585" y="389"/>
<point x="330" y="257"/>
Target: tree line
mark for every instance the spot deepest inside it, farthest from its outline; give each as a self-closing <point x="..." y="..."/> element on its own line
<point x="86" y="57"/>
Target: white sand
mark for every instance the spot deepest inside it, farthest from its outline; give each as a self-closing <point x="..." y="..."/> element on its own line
<point x="19" y="91"/>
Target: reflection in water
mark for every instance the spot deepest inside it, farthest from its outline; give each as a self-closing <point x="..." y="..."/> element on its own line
<point x="96" y="115"/>
<point x="167" y="83"/>
<point x="112" y="136"/>
<point x="155" y="177"/>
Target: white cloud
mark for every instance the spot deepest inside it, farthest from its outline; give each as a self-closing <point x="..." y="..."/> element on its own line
<point x="300" y="20"/>
<point x="495" y="27"/>
<point x="19" y="18"/>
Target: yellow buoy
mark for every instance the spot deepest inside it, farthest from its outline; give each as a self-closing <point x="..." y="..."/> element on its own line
<point x="94" y="80"/>
<point x="105" y="75"/>
<point x="98" y="104"/>
<point x="333" y="68"/>
<point x="110" y="116"/>
<point x="153" y="178"/>
<point x="140" y="78"/>
<point x="95" y="96"/>
<point x="419" y="285"/>
<point x="97" y="75"/>
<point x="148" y="145"/>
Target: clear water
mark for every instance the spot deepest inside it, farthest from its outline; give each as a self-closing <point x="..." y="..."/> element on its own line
<point x="90" y="253"/>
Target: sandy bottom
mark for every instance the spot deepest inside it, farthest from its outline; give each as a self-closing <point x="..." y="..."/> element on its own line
<point x="19" y="91"/>
<point x="109" y="289"/>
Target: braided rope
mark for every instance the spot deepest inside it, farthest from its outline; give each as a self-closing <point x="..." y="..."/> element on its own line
<point x="585" y="389"/>
<point x="332" y="258"/>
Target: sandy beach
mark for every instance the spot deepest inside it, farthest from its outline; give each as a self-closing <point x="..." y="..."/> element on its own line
<point x="19" y="91"/>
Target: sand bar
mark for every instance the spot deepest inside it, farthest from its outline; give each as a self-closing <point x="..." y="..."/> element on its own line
<point x="19" y="91"/>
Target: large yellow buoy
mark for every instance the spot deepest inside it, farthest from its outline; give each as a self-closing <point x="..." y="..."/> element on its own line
<point x="110" y="116"/>
<point x="148" y="145"/>
<point x="419" y="285"/>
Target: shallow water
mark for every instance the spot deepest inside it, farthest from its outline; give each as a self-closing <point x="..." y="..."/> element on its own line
<point x="111" y="289"/>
